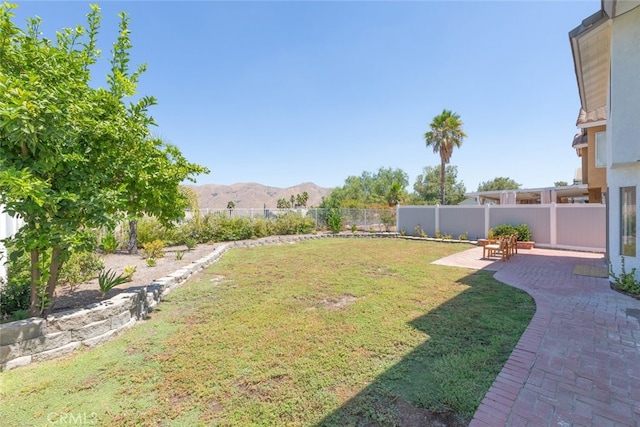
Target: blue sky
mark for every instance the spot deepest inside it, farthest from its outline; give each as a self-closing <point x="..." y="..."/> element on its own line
<point x="282" y="93"/>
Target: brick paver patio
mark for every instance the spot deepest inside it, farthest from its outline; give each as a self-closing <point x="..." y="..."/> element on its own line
<point x="578" y="362"/>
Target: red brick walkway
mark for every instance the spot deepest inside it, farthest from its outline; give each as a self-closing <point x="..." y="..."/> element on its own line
<point x="578" y="362"/>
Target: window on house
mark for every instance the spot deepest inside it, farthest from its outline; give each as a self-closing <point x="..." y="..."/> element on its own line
<point x="601" y="149"/>
<point x="628" y="221"/>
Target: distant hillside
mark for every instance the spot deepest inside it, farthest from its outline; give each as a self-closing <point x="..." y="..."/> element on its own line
<point x="253" y="195"/>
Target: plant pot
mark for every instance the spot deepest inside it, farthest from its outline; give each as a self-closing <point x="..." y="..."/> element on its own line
<point x="482" y="242"/>
<point x="526" y="245"/>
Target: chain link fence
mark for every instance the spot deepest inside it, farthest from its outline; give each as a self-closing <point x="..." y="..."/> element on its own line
<point x="352" y="219"/>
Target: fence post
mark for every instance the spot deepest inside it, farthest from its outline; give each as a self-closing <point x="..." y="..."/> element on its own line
<point x="553" y="224"/>
<point x="437" y="218"/>
<point x="487" y="219"/>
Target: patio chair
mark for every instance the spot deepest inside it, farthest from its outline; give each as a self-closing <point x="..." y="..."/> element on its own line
<point x="497" y="247"/>
<point x="513" y="244"/>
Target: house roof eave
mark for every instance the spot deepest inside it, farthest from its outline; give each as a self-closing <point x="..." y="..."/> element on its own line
<point x="592" y="23"/>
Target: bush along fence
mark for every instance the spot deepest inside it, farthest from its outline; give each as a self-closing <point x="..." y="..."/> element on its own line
<point x="36" y="339"/>
<point x="363" y="219"/>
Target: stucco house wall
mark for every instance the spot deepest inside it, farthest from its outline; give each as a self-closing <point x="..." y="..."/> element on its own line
<point x="623" y="130"/>
<point x="623" y="126"/>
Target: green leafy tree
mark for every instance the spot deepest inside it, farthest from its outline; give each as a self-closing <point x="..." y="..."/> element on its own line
<point x="371" y="188"/>
<point x="427" y="186"/>
<point x="152" y="179"/>
<point x="560" y="184"/>
<point x="153" y="170"/>
<point x="62" y="167"/>
<point x="497" y="184"/>
<point x="446" y="134"/>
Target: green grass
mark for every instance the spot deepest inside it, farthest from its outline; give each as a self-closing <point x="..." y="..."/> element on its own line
<point x="327" y="332"/>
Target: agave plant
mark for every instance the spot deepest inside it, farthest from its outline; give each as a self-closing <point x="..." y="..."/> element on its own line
<point x="107" y="280"/>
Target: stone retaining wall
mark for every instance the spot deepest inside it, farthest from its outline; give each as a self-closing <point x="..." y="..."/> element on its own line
<point x="37" y="339"/>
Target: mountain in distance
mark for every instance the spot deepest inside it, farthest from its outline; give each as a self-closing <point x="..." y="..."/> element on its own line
<point x="253" y="195"/>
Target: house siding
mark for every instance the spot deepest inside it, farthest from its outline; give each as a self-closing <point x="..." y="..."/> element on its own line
<point x="623" y="128"/>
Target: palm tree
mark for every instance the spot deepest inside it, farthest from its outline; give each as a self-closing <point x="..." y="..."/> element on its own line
<point x="395" y="194"/>
<point x="231" y="206"/>
<point x="445" y="134"/>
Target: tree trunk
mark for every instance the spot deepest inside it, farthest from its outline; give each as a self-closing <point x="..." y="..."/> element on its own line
<point x="54" y="270"/>
<point x="132" y="245"/>
<point x="442" y="177"/>
<point x="34" y="300"/>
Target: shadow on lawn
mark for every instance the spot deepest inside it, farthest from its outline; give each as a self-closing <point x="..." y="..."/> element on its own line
<point x="399" y="396"/>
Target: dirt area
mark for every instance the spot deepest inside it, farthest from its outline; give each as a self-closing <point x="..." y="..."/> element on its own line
<point x="88" y="293"/>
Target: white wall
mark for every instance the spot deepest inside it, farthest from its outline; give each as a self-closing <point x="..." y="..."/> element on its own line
<point x="8" y="227"/>
<point x="563" y="226"/>
<point x="623" y="126"/>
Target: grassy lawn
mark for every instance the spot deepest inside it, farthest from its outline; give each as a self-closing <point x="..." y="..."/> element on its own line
<point x="327" y="332"/>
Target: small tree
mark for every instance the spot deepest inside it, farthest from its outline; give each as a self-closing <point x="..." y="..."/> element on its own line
<point x="427" y="186"/>
<point x="62" y="167"/>
<point x="231" y="206"/>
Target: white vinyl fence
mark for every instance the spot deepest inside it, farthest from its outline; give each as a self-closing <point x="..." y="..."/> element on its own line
<point x="563" y="226"/>
<point x="9" y="225"/>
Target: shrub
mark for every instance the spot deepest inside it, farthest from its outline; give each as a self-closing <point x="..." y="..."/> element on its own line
<point x="128" y="272"/>
<point x="150" y="229"/>
<point x="80" y="268"/>
<point x="190" y="242"/>
<point x="334" y="220"/>
<point x="226" y="229"/>
<point x="15" y="293"/>
<point x="207" y="228"/>
<point x="151" y="262"/>
<point x="524" y="233"/>
<point x="109" y="244"/>
<point x="523" y="230"/>
<point x="504" y="230"/>
<point x="153" y="249"/>
<point x="293" y="223"/>
<point x="626" y="281"/>
<point x="108" y="280"/>
<point x="388" y="218"/>
<point x="14" y="297"/>
<point x="262" y="227"/>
